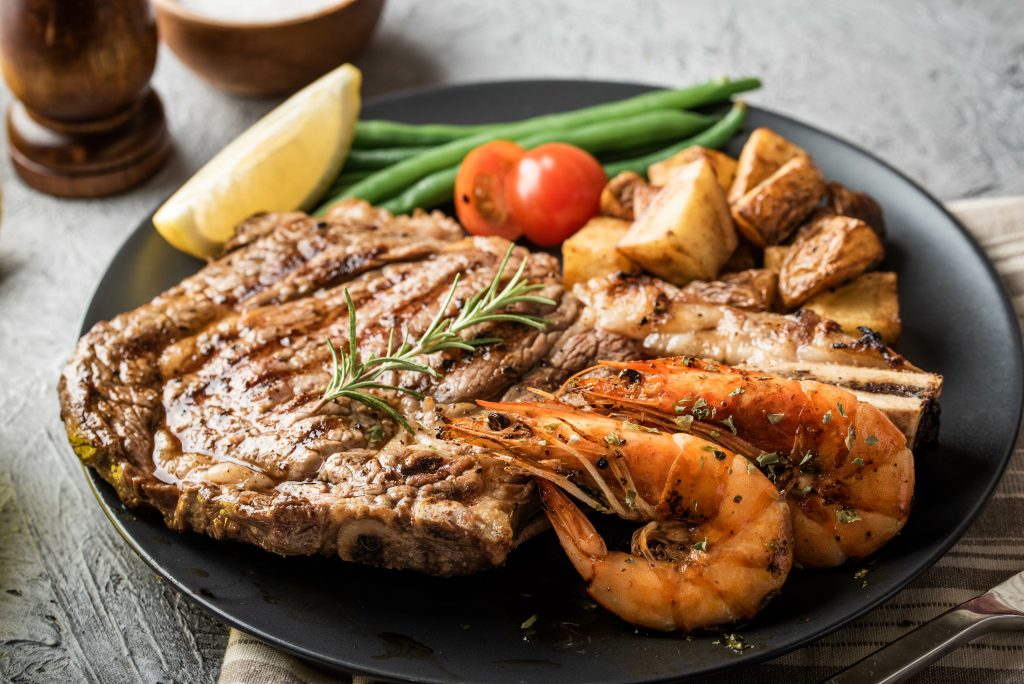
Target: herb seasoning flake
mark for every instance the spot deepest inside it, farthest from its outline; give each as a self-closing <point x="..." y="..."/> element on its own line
<point x="736" y="643"/>
<point x="375" y="435"/>
<point x="861" y="575"/>
<point x="847" y="515"/>
<point x="635" y="427"/>
<point x="683" y="422"/>
<point x="700" y="410"/>
<point x="729" y="424"/>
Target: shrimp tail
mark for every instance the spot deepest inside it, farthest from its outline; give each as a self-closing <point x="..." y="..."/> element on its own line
<point x="580" y="541"/>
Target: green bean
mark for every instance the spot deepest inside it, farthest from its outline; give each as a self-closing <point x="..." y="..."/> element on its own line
<point x="372" y="134"/>
<point x="431" y="191"/>
<point x="714" y="137"/>
<point x="392" y="180"/>
<point x="627" y="133"/>
<point x="379" y="158"/>
<point x="381" y="133"/>
<point x="437" y="188"/>
<point x="631" y="132"/>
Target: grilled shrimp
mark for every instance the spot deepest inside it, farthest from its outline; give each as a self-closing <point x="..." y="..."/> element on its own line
<point x="844" y="467"/>
<point x="717" y="540"/>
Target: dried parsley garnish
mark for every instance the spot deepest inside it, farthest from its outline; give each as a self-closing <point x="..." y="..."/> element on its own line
<point x="683" y="422"/>
<point x="729" y="424"/>
<point x="847" y="515"/>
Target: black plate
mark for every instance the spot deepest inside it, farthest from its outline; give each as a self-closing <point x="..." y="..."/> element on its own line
<point x="957" y="321"/>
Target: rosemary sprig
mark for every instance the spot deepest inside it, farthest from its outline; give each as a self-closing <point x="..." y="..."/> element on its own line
<point x="352" y="375"/>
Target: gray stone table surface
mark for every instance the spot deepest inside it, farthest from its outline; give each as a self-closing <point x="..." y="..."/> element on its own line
<point x="935" y="88"/>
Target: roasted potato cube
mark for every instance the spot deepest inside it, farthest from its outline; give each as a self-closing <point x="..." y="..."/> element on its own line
<point x="618" y="194"/>
<point x="811" y="224"/>
<point x="724" y="166"/>
<point x="754" y="290"/>
<point x="763" y="154"/>
<point x="592" y="252"/>
<point x="774" y="256"/>
<point x="642" y="197"/>
<point x="836" y="249"/>
<point x="846" y="202"/>
<point x="768" y="213"/>
<point x="870" y="300"/>
<point x="685" y="233"/>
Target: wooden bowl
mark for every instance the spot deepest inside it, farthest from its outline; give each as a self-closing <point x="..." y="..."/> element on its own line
<point x="268" y="58"/>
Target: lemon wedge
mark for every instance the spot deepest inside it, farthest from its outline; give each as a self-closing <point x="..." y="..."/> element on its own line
<point x="285" y="161"/>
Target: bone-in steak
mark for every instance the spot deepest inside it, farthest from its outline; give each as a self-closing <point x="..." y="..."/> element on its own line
<point x="201" y="403"/>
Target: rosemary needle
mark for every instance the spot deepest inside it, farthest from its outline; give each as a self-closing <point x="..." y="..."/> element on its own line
<point x="352" y="375"/>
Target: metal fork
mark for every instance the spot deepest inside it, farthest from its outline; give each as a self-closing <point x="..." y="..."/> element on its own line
<point x="1000" y="608"/>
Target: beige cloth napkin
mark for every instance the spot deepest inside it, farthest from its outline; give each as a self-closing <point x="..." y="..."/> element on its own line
<point x="992" y="550"/>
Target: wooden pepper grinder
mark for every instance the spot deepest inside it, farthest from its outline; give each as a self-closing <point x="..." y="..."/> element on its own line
<point x="85" y="123"/>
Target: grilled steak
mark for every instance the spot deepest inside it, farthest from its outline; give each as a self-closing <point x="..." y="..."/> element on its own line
<point x="203" y="403"/>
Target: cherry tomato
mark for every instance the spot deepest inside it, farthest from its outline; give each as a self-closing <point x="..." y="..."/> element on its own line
<point x="553" y="190"/>
<point x="480" y="189"/>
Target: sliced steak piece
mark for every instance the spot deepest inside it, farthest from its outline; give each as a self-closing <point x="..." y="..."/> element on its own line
<point x="203" y="403"/>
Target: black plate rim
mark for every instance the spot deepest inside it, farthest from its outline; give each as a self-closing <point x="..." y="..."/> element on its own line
<point x="102" y="491"/>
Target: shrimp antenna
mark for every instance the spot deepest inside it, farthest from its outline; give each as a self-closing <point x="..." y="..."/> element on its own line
<point x="575" y="376"/>
<point x="541" y="393"/>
